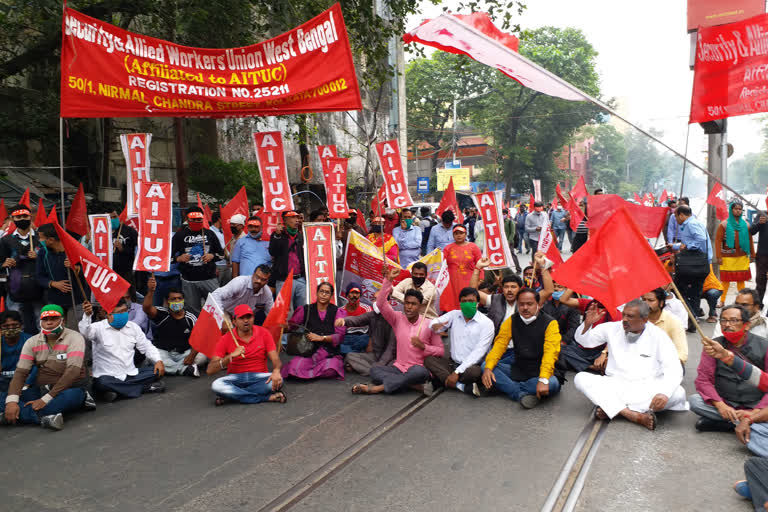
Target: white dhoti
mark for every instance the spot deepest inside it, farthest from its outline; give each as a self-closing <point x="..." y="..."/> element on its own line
<point x="614" y="394"/>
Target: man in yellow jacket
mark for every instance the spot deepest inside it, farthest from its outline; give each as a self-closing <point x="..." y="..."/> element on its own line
<point x="528" y="376"/>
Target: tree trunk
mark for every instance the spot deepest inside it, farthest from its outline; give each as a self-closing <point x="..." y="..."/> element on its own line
<point x="181" y="169"/>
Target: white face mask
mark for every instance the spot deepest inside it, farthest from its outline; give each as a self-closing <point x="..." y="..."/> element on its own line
<point x="527" y="321"/>
<point x="632" y="337"/>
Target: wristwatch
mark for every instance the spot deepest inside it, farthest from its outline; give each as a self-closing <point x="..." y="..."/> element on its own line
<point x="543" y="380"/>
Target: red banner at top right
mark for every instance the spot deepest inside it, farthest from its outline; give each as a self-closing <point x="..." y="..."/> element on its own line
<point x="731" y="71"/>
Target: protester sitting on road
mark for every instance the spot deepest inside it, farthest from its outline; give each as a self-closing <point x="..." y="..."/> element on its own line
<point x="57" y="353"/>
<point x="414" y="343"/>
<point x="575" y="357"/>
<point x="11" y="344"/>
<point x="248" y="289"/>
<point x="568" y="318"/>
<point x="667" y="322"/>
<point x="381" y="342"/>
<point x="250" y="251"/>
<point x="243" y="353"/>
<point x="471" y="335"/>
<point x="712" y="289"/>
<point x="723" y="398"/>
<point x="529" y="376"/>
<point x="318" y="318"/>
<point x="356" y="338"/>
<point x="173" y="327"/>
<point x="749" y="300"/>
<point x="418" y="281"/>
<point x="136" y="312"/>
<point x="643" y="372"/>
<point x="114" y="341"/>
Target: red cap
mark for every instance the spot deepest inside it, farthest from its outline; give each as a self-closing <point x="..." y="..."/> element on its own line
<point x="242" y="310"/>
<point x="195" y="215"/>
<point x="458" y="227"/>
<point x="290" y="213"/>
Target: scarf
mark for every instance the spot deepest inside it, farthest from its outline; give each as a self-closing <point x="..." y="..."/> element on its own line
<point x="737" y="224"/>
<point x="756" y="320"/>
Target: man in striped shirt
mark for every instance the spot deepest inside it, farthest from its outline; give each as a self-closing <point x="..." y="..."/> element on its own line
<point x="57" y="352"/>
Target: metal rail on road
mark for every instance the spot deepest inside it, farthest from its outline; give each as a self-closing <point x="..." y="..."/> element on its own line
<point x="296" y="493"/>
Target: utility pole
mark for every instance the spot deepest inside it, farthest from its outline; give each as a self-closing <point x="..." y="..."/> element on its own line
<point x="717" y="165"/>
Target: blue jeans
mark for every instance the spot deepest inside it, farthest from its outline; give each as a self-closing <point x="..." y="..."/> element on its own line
<point x="67" y="401"/>
<point x="560" y="235"/>
<point x="517" y="389"/>
<point x="246" y="388"/>
<point x="354" y="343"/>
<point x="711" y="296"/>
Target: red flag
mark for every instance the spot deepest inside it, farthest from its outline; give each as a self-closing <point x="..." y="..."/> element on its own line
<point x="276" y="190"/>
<point x="548" y="245"/>
<point x="361" y="221"/>
<point x="648" y="199"/>
<point x="41" y="217"/>
<point x="638" y="198"/>
<point x="155" y="222"/>
<point x="531" y="201"/>
<point x="3" y="211"/>
<point x="576" y="214"/>
<point x="608" y="265"/>
<point x="395" y="174"/>
<point x="560" y="196"/>
<point x="207" y="330"/>
<point x="553" y="206"/>
<point x="319" y="257"/>
<point x="238" y="204"/>
<point x="77" y="218"/>
<point x="206" y="225"/>
<point x="107" y="286"/>
<point x="717" y="199"/>
<point x="207" y="213"/>
<point x="278" y="315"/>
<point x="663" y="197"/>
<point x="335" y="178"/>
<point x="379" y="200"/>
<point x="650" y="219"/>
<point x="579" y="190"/>
<point x="124" y="215"/>
<point x="25" y="199"/>
<point x="449" y="202"/>
<point x="2" y="304"/>
<point x="52" y="216"/>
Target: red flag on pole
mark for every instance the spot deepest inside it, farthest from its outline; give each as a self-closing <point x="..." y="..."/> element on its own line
<point x="548" y="245"/>
<point x="207" y="330"/>
<point x="531" y="201"/>
<point x="25" y="199"/>
<point x="3" y="211"/>
<point x="449" y="202"/>
<point x="717" y="199"/>
<point x="650" y="219"/>
<point x="663" y="197"/>
<point x="638" y="198"/>
<point x="206" y="225"/>
<point x="124" y="215"/>
<point x="77" y="218"/>
<point x="361" y="221"/>
<point x="52" y="216"/>
<point x="377" y="203"/>
<point x="608" y="265"/>
<point x="2" y="304"/>
<point x="579" y="190"/>
<point x="560" y="196"/>
<point x="41" y="217"/>
<point x="238" y="204"/>
<point x="576" y="214"/>
<point x="279" y="312"/>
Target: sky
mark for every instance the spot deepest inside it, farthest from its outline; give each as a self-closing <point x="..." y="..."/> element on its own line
<point x="643" y="53"/>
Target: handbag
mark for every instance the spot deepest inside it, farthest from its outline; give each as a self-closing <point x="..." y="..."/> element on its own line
<point x="298" y="343"/>
<point x="692" y="263"/>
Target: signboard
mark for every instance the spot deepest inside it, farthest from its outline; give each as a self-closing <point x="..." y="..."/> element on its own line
<point x="453" y="164"/>
<point x="422" y="185"/>
<point x="460" y="177"/>
<point x="708" y="13"/>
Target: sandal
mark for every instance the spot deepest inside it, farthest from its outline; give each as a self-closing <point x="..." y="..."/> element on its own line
<point x="283" y="397"/>
<point x="220" y="400"/>
<point x="712" y="320"/>
<point x="360" y="389"/>
<point x="600" y="414"/>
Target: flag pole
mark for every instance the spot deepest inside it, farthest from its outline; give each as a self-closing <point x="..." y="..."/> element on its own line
<point x="429" y="303"/>
<point x="687" y="309"/>
<point x="232" y="333"/>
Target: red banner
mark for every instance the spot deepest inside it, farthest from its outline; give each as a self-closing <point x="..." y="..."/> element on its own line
<point x="319" y="257"/>
<point x="270" y="155"/>
<point x="730" y="76"/>
<point x="717" y="199"/>
<point x="107" y="286"/>
<point x="101" y="238"/>
<point x="336" y="187"/>
<point x="110" y="72"/>
<point x="326" y="152"/>
<point x="395" y="176"/>
<point x="155" y="216"/>
<point x="136" y="153"/>
<point x="496" y="246"/>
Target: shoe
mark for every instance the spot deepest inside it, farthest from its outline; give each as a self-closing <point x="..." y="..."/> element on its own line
<point x="3" y="420"/>
<point x="52" y="421"/>
<point x="89" y="403"/>
<point x="428" y="388"/>
<point x="157" y="387"/>
<point x="479" y="390"/>
<point x="708" y="425"/>
<point x="109" y="396"/>
<point x="529" y="401"/>
<point x="191" y="370"/>
<point x="742" y="489"/>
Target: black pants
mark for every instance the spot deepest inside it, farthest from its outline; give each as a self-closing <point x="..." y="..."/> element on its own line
<point x="132" y="387"/>
<point x="443" y="367"/>
<point x="761" y="268"/>
<point x="756" y="471"/>
<point x="690" y="288"/>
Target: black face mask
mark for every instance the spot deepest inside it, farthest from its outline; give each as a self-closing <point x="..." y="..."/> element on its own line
<point x="23" y="224"/>
<point x="376" y="228"/>
<point x="418" y="281"/>
<point x="234" y="230"/>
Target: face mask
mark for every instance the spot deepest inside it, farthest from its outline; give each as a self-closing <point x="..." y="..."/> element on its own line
<point x="468" y="309"/>
<point x="292" y="231"/>
<point x="128" y="303"/>
<point x="12" y="332"/>
<point x="408" y="223"/>
<point x="234" y="230"/>
<point x="195" y="226"/>
<point x="557" y="295"/>
<point x="176" y="306"/>
<point x="527" y="321"/>
<point x="417" y="282"/>
<point x="376" y="228"/>
<point x="115" y="222"/>
<point x="256" y="235"/>
<point x="632" y="337"/>
<point x="44" y="245"/>
<point x="538" y="209"/>
<point x="119" y="320"/>
<point x="734" y="337"/>
<point x="22" y="224"/>
<point x="55" y="331"/>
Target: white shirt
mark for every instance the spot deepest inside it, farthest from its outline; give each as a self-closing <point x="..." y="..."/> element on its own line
<point x="240" y="291"/>
<point x="674" y="306"/>
<point x="220" y="235"/>
<point x="470" y="341"/>
<point x="113" y="349"/>
<point x="652" y="357"/>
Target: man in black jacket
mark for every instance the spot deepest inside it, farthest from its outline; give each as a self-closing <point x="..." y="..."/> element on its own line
<point x="18" y="257"/>
<point x="761" y="257"/>
<point x="286" y="245"/>
<point x="125" y="239"/>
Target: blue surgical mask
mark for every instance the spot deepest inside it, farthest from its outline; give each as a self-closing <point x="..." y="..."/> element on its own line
<point x="557" y="295"/>
<point x="119" y="320"/>
<point x="115" y="222"/>
<point x="43" y="245"/>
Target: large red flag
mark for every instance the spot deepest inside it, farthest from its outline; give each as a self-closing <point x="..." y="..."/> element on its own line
<point x="449" y="202"/>
<point x="650" y="219"/>
<point x="123" y="217"/>
<point x="238" y="204"/>
<point x="615" y="265"/>
<point x="25" y="199"/>
<point x="40" y="217"/>
<point x="207" y="330"/>
<point x="579" y="190"/>
<point x="106" y="284"/>
<point x="717" y="199"/>
<point x="77" y="218"/>
<point x="576" y="214"/>
<point x="560" y="196"/>
<point x="531" y="201"/>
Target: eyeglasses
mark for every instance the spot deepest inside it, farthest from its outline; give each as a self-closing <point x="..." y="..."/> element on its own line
<point x="731" y="321"/>
<point x="323" y="292"/>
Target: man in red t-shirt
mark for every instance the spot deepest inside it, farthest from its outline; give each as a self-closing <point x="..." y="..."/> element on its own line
<point x="243" y="353"/>
<point x="356" y="338"/>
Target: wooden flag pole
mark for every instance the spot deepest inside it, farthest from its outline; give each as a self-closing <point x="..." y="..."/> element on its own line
<point x="429" y="303"/>
<point x="232" y="333"/>
<point x="687" y="309"/>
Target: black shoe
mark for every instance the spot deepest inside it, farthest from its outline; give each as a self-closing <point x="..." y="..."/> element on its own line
<point x="109" y="396"/>
<point x="191" y="370"/>
<point x="529" y="401"/>
<point x="89" y="403"/>
<point x="708" y="425"/>
<point x="157" y="387"/>
<point x="691" y="327"/>
<point x="52" y="421"/>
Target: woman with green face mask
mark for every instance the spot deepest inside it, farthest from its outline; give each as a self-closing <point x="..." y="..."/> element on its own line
<point x="408" y="239"/>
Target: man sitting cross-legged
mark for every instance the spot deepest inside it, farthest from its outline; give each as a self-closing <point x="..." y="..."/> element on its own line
<point x="471" y="337"/>
<point x="643" y="372"/>
<point x="243" y="354"/>
<point x="412" y="346"/>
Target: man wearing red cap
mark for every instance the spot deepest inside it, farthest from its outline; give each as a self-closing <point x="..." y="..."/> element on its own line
<point x="461" y="257"/>
<point x="243" y="354"/>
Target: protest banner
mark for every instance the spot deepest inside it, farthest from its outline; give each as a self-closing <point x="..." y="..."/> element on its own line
<point x="319" y="257"/>
<point x="395" y="175"/>
<point x="101" y="238"/>
<point x="496" y="246"/>
<point x="136" y="152"/>
<point x="155" y="214"/>
<point x="110" y="72"/>
<point x="537" y="190"/>
<point x="335" y="174"/>
<point x="270" y="155"/>
<point x="363" y="263"/>
<point x="324" y="153"/>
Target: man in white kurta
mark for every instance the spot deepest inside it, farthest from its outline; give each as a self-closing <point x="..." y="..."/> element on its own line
<point x="642" y="374"/>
